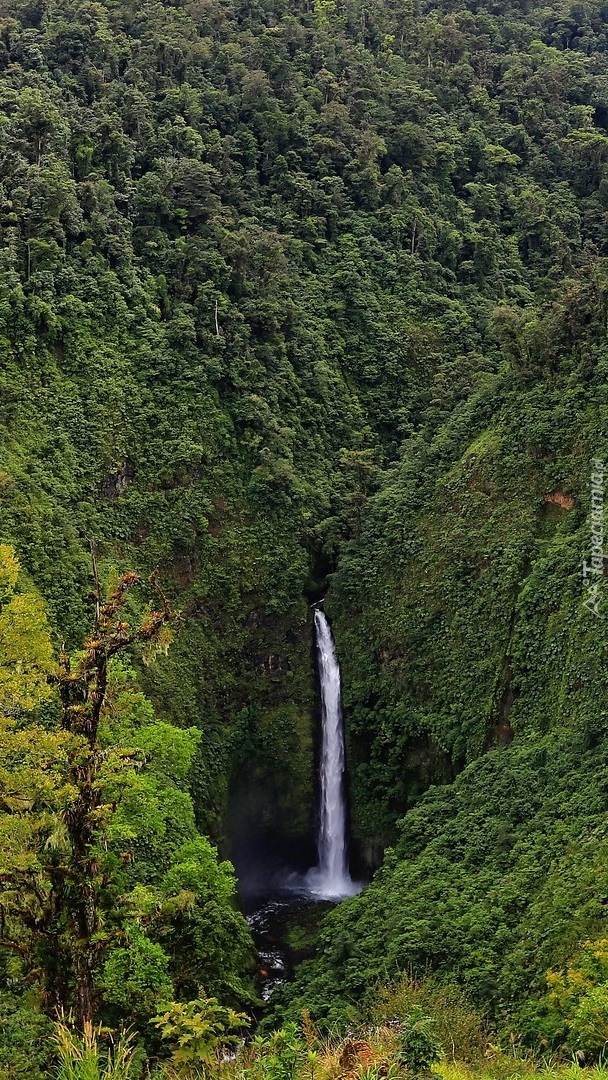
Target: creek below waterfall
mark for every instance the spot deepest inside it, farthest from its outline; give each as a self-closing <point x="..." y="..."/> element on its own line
<point x="284" y="907"/>
<point x="284" y="931"/>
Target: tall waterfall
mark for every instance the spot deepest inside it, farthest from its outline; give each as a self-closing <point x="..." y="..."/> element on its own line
<point x="330" y="878"/>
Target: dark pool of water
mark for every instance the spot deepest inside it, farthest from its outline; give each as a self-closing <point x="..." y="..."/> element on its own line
<point x="283" y="926"/>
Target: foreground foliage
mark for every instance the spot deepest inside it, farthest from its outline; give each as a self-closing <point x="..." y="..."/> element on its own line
<point x="407" y="1040"/>
<point x="83" y="1058"/>
<point x="110" y="899"/>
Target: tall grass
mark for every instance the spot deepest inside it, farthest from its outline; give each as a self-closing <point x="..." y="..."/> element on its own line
<point x="83" y="1055"/>
<point x="506" y="1068"/>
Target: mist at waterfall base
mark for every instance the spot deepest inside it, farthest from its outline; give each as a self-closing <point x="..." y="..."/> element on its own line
<point x="272" y="877"/>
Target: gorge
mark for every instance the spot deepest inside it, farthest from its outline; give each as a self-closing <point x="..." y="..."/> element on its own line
<point x="288" y="891"/>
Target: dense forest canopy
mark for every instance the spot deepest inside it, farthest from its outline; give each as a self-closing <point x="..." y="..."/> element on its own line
<point x="294" y="299"/>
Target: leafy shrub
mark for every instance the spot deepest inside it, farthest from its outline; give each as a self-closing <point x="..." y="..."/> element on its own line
<point x="25" y="1044"/>
<point x="280" y="1055"/>
<point x="419" y="1045"/>
<point x="579" y="995"/>
<point x="135" y="977"/>
<point x="199" y="1030"/>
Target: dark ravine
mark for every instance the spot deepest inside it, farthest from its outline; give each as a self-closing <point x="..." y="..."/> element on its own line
<point x="281" y="898"/>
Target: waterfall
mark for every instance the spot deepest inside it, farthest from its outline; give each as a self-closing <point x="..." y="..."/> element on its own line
<point x="331" y="878"/>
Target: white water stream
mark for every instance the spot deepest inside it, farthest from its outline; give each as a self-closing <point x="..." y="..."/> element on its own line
<point x="331" y="878"/>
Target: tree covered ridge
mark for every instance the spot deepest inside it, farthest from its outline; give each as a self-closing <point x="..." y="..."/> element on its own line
<point x="300" y="222"/>
<point x="249" y="252"/>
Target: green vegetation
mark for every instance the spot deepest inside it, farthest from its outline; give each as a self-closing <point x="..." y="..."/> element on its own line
<point x="416" y="1029"/>
<point x="298" y="296"/>
<point x="110" y="901"/>
<point x="82" y="1057"/>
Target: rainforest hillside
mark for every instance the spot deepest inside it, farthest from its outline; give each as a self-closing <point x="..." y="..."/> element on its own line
<point x="301" y="300"/>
